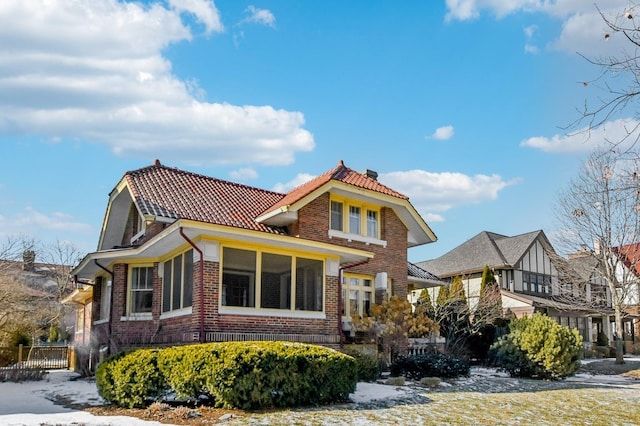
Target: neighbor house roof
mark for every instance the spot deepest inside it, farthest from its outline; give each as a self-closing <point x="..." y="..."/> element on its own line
<point x="630" y="254"/>
<point x="486" y="248"/>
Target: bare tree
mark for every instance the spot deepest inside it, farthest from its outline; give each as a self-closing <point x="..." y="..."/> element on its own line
<point x="33" y="280"/>
<point x="601" y="209"/>
<point x="618" y="83"/>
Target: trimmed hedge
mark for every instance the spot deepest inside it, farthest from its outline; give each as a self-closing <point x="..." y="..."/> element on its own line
<point x="245" y="375"/>
<point x="430" y="365"/>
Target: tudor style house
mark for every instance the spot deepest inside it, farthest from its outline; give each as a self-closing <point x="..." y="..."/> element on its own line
<point x="187" y="258"/>
<point x="532" y="278"/>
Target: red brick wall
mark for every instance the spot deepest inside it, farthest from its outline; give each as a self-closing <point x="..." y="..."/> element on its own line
<point x="313" y="224"/>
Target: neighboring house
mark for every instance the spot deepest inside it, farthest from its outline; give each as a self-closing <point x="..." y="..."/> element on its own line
<point x="629" y="272"/>
<point x="44" y="285"/>
<point x="526" y="268"/>
<point x="187" y="258"/>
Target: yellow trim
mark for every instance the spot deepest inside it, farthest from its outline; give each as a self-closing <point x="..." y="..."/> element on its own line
<point x="361" y="288"/>
<point x="162" y="263"/>
<point x="130" y="267"/>
<point x="364" y="207"/>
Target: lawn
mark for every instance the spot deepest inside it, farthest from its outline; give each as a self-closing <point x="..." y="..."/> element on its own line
<point x="599" y="395"/>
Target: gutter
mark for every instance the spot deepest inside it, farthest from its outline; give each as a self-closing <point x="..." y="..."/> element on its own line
<point x="201" y="284"/>
<point x="340" y="303"/>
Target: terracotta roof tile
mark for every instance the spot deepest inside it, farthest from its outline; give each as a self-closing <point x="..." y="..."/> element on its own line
<point x="340" y="173"/>
<point x="173" y="193"/>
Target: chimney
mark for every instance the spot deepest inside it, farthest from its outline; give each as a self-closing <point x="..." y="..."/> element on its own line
<point x="371" y="174"/>
<point x="29" y="260"/>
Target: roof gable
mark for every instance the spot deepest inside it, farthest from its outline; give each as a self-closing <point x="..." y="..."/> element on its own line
<point x="484" y="249"/>
<point x="168" y="194"/>
<point x="340" y="173"/>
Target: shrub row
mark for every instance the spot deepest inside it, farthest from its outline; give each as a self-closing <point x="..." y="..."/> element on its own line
<point x="245" y="375"/>
<point x="434" y="364"/>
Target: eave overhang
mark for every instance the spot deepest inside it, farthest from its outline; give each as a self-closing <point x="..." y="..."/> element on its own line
<point x="419" y="232"/>
<point x="170" y="239"/>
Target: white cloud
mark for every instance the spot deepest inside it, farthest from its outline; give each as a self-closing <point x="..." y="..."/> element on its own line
<point x="33" y="222"/>
<point x="622" y="131"/>
<point x="442" y="133"/>
<point x="260" y="16"/>
<point x="582" y="30"/>
<point x="244" y="174"/>
<point x="93" y="70"/>
<point x="433" y="193"/>
<point x="204" y="11"/>
<point x="293" y="183"/>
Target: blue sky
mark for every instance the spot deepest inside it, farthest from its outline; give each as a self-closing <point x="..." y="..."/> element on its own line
<point x="459" y="104"/>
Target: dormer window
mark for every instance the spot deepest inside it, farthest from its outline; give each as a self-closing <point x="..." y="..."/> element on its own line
<point x="372" y="224"/>
<point x="336" y="215"/>
<point x="355" y="220"/>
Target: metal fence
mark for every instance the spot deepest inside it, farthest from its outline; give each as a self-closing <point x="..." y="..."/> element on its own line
<point x="40" y="357"/>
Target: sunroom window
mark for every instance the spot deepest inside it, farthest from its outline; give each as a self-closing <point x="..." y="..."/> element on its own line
<point x="177" y="282"/>
<point x="257" y="279"/>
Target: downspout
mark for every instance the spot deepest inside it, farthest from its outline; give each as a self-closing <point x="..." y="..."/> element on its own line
<point x="340" y="303"/>
<point x="113" y="283"/>
<point x="196" y="248"/>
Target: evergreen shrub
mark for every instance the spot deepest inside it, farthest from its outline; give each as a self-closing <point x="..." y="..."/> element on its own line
<point x="367" y="364"/>
<point x="538" y="348"/>
<point x="435" y="364"/>
<point x="245" y="375"/>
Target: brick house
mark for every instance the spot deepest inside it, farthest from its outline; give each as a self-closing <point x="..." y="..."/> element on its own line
<point x="187" y="258"/>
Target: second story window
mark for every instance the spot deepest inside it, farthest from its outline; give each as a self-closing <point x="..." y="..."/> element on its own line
<point x="372" y="223"/>
<point x="336" y="215"/>
<point x="354" y="220"/>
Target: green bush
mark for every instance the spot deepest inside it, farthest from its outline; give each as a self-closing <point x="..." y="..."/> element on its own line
<point x="131" y="380"/>
<point x="246" y="375"/>
<point x="602" y="339"/>
<point x="435" y="364"/>
<point x="540" y="348"/>
<point x="367" y="364"/>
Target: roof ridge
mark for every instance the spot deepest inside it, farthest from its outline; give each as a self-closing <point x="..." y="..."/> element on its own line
<point x="157" y="165"/>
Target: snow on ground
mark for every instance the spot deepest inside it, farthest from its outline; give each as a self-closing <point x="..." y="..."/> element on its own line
<point x="32" y="403"/>
<point x="39" y="403"/>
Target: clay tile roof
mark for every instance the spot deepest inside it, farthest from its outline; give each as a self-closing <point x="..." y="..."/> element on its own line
<point x="176" y="194"/>
<point x="340" y="173"/>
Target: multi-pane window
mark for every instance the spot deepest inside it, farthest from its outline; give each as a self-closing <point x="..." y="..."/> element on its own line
<point x="536" y="283"/>
<point x="357" y="295"/>
<point x="354" y="220"/>
<point x="372" y="223"/>
<point x="177" y="282"/>
<point x="141" y="290"/>
<point x="269" y="280"/>
<point x="336" y="215"/>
